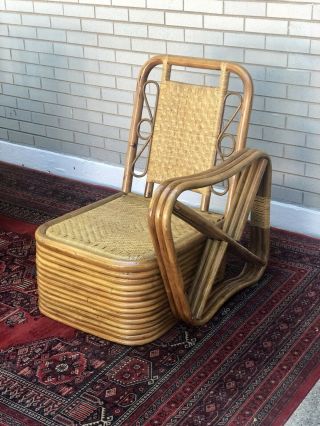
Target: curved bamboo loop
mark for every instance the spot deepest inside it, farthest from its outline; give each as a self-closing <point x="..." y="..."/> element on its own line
<point x="251" y="165"/>
<point x="149" y="120"/>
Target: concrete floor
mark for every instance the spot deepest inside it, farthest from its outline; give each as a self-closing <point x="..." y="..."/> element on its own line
<point x="308" y="412"/>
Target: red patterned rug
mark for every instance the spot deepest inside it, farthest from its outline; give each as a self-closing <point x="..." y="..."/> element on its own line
<point x="252" y="364"/>
<point x="36" y="197"/>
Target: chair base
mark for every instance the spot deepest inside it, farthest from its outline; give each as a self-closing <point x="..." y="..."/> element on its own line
<point x="124" y="303"/>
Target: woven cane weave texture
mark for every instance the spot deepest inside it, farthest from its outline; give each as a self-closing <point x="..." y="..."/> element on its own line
<point x="116" y="229"/>
<point x="184" y="124"/>
<point x="185" y="130"/>
<point x="260" y="214"/>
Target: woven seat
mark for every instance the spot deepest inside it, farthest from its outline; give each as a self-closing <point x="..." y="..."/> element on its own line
<point x="127" y="267"/>
<point x="117" y="230"/>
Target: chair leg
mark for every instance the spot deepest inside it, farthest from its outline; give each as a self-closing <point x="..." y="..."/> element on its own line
<point x="250" y="274"/>
<point x="259" y="244"/>
<point x="198" y="302"/>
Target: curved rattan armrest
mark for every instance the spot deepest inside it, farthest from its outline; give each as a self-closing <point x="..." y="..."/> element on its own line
<point x="168" y="192"/>
<point x="253" y="173"/>
<point x="230" y="167"/>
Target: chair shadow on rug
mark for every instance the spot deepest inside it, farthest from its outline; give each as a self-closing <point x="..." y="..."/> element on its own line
<point x="126" y="268"/>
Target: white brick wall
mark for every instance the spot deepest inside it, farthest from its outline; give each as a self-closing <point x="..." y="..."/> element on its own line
<point x="68" y="70"/>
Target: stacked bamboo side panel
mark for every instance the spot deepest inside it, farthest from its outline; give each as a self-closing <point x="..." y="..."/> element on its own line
<point x="126" y="305"/>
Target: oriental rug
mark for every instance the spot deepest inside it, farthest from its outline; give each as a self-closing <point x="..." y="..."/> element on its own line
<point x="251" y="364"/>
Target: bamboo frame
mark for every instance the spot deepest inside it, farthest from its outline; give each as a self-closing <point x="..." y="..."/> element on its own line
<point x="255" y="178"/>
<point x="135" y="301"/>
<point x="205" y="64"/>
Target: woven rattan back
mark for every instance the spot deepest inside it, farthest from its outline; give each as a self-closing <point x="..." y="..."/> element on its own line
<point x="188" y="123"/>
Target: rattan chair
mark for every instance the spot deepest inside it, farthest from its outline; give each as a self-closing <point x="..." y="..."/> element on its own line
<point x="128" y="267"/>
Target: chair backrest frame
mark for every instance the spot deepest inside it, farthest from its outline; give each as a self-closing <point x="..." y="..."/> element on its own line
<point x="167" y="61"/>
